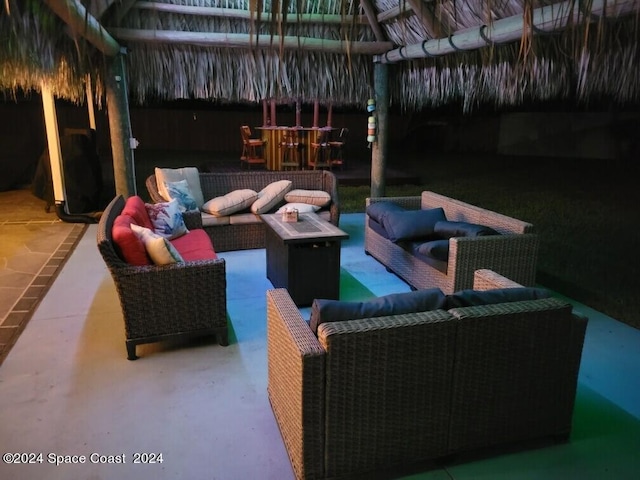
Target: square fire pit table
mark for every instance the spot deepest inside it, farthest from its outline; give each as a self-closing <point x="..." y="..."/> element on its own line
<point x="304" y="256"/>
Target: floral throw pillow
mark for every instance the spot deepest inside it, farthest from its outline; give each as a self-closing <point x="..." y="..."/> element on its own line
<point x="167" y="219"/>
<point x="181" y="192"/>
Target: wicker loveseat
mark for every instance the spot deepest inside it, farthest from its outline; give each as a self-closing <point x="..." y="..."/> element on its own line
<point x="246" y="231"/>
<point x="393" y="392"/>
<point x="513" y="253"/>
<point x="162" y="302"/>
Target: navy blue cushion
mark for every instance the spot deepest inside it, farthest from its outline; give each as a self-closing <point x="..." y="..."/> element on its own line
<point x="447" y="229"/>
<point x="378" y="210"/>
<point x="412" y="224"/>
<point x="471" y="298"/>
<point x="438" y="249"/>
<point x="323" y="310"/>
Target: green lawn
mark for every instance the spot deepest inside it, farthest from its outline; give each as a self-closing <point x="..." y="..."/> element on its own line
<point x="586" y="214"/>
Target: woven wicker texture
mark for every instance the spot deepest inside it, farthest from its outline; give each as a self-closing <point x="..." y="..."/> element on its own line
<point x="366" y="395"/>
<point x="373" y="394"/>
<point x="513" y="254"/>
<point x="163" y="302"/>
<point x="247" y="236"/>
<point x="296" y="373"/>
<point x="388" y="390"/>
<point x="523" y="379"/>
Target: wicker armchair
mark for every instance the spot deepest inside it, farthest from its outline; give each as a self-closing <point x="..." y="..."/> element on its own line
<point x="513" y="254"/>
<point x="164" y="302"/>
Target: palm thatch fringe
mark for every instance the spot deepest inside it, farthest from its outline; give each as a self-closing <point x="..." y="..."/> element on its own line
<point x="576" y="65"/>
<point x="160" y="72"/>
<point x="592" y="58"/>
<point x="37" y="49"/>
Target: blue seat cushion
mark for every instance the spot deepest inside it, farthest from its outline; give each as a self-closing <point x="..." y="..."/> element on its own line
<point x="324" y="310"/>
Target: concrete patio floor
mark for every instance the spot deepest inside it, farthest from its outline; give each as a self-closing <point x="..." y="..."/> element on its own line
<point x="66" y="387"/>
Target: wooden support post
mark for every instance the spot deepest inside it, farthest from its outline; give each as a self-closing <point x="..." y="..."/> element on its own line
<point x="53" y="142"/>
<point x="316" y="113"/>
<point x="273" y="113"/>
<point x="330" y="115"/>
<point x="265" y="113"/>
<point x="298" y="112"/>
<point x="379" y="149"/>
<point x="120" y="127"/>
<point x="90" y="108"/>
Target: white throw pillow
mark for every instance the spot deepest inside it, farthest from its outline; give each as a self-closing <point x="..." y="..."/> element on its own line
<point x="312" y="197"/>
<point x="166" y="219"/>
<point x="159" y="248"/>
<point x="270" y="196"/>
<point x="232" y="202"/>
<point x="190" y="174"/>
<point x="300" y="207"/>
<point x="181" y="192"/>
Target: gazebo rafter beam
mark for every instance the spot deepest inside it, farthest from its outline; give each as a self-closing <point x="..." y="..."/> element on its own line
<point x="245" y="40"/>
<point x="549" y="19"/>
<point x="426" y="16"/>
<point x="373" y="21"/>
<point x="73" y="13"/>
<point x="248" y="15"/>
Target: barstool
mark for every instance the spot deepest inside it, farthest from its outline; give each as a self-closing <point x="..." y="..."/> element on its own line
<point x="338" y="148"/>
<point x="252" y="148"/>
<point x="290" y="150"/>
<point x="321" y="157"/>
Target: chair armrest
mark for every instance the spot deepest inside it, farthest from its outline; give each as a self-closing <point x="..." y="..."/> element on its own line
<point x="409" y="203"/>
<point x="331" y="187"/>
<point x="182" y="277"/>
<point x="296" y="383"/>
<point x="513" y="256"/>
<point x="456" y="210"/>
<point x="173" y="271"/>
<point x="485" y="279"/>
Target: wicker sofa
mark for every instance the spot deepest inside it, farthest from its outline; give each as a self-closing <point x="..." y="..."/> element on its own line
<point x="162" y="302"/>
<point x="513" y="253"/>
<point x="395" y="392"/>
<point x="248" y="231"/>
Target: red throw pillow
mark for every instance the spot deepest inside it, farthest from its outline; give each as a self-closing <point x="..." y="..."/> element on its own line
<point x="136" y="209"/>
<point x="131" y="248"/>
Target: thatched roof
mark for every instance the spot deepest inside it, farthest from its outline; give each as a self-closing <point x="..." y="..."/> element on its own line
<point x="468" y="52"/>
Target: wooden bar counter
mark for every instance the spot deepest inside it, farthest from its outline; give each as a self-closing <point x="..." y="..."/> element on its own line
<point x="273" y="136"/>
